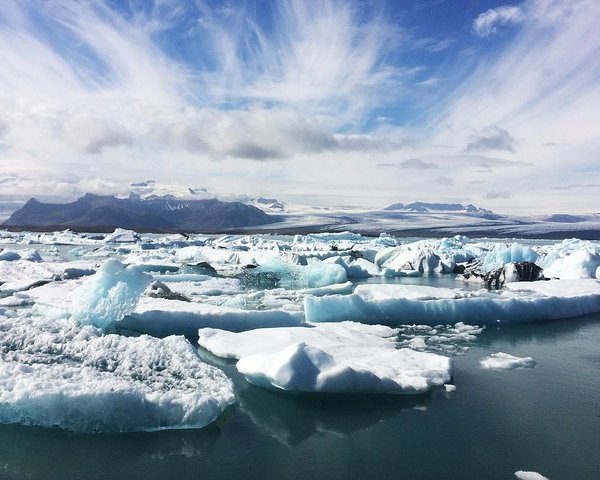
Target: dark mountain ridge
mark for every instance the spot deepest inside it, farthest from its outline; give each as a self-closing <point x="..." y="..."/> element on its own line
<point x="100" y="212"/>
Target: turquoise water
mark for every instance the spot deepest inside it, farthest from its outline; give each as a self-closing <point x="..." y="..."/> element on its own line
<point x="545" y="419"/>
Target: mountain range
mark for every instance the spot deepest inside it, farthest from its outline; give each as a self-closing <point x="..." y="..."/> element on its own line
<point x="103" y="212"/>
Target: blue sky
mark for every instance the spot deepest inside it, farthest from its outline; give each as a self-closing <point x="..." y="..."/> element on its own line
<point x="340" y="102"/>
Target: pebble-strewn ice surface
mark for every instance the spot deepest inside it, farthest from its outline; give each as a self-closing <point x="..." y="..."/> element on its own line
<point x="100" y="332"/>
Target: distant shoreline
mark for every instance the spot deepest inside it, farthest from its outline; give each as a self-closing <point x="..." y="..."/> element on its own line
<point x="434" y="232"/>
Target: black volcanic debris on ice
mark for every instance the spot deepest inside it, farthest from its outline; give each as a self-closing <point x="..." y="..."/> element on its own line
<point x="158" y="214"/>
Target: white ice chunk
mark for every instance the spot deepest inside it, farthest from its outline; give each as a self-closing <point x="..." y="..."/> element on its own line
<point x="524" y="475"/>
<point x="163" y="317"/>
<point x="108" y="295"/>
<point x="408" y="304"/>
<point x="579" y="264"/>
<point x="121" y="235"/>
<point x="57" y="374"/>
<point x="355" y="267"/>
<point x="501" y="254"/>
<point x="314" y="275"/>
<point x="505" y="361"/>
<point x="341" y="357"/>
<point x="9" y="256"/>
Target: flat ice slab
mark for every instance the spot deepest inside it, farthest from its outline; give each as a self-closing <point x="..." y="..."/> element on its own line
<point x="524" y="475"/>
<point x="411" y="304"/>
<point x="344" y="357"/>
<point x="505" y="361"/>
<point x="58" y="374"/>
<point x="162" y="317"/>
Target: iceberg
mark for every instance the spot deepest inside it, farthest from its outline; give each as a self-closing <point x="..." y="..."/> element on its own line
<point x="108" y="295"/>
<point x="355" y="267"/>
<point x="526" y="475"/>
<point x="502" y="254"/>
<point x="411" y="304"/>
<point x="313" y="275"/>
<point x="120" y="235"/>
<point x="162" y="317"/>
<point x="9" y="256"/>
<point x="579" y="264"/>
<point x="58" y="374"/>
<point x="505" y="361"/>
<point x="342" y="357"/>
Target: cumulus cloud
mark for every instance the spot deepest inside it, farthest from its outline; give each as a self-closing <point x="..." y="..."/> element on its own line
<point x="491" y="138"/>
<point x="487" y="23"/>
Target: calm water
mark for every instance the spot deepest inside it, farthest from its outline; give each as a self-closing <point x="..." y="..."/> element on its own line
<point x="545" y="419"/>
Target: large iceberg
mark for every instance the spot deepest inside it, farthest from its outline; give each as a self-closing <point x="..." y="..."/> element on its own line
<point x="110" y="294"/>
<point x="344" y="357"/>
<point x="410" y="304"/>
<point x="57" y="374"/>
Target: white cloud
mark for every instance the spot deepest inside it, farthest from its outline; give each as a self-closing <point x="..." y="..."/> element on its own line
<point x="491" y="138"/>
<point x="487" y="23"/>
<point x="88" y="90"/>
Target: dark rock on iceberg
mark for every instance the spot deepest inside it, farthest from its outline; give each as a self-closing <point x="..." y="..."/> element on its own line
<point x="511" y="272"/>
<point x="158" y="289"/>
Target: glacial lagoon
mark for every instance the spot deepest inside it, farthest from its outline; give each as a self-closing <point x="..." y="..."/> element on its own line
<point x="483" y="423"/>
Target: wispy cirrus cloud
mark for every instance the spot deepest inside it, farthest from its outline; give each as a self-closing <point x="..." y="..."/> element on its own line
<point x="487" y="23"/>
<point x="259" y="97"/>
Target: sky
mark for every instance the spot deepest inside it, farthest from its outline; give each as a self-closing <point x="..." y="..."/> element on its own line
<point x="333" y="102"/>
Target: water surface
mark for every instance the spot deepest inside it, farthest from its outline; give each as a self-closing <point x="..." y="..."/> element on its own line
<point x="545" y="419"/>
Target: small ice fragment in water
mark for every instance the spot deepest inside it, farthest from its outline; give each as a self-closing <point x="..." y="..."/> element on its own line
<point x="523" y="475"/>
<point x="449" y="387"/>
<point x="505" y="361"/>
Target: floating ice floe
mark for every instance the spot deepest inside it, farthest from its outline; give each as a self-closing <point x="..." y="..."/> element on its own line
<point x="54" y="373"/>
<point x="410" y="304"/>
<point x="161" y="317"/>
<point x="525" y="475"/>
<point x="344" y="357"/>
<point x="444" y="339"/>
<point x="505" y="361"/>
